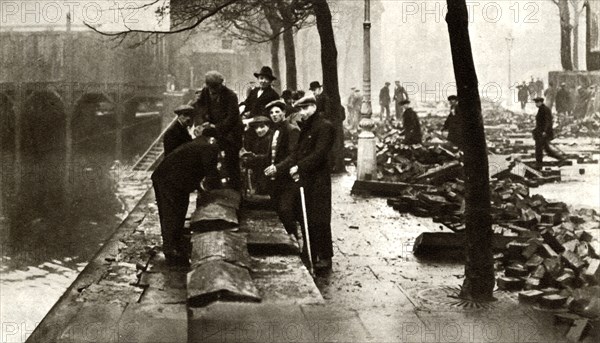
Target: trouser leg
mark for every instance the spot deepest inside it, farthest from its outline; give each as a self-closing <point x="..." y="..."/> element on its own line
<point x="287" y="204"/>
<point x="539" y="151"/>
<point x="172" y="208"/>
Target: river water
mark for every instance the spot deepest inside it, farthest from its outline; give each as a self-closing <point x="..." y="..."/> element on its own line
<point x="54" y="217"/>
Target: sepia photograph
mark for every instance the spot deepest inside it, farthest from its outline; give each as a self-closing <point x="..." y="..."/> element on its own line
<point x="177" y="171"/>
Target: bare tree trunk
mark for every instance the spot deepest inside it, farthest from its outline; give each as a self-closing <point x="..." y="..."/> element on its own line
<point x="592" y="59"/>
<point x="291" y="80"/>
<point x="330" y="78"/>
<point x="565" y="35"/>
<point x="275" y="62"/>
<point x="479" y="267"/>
<point x="576" y="39"/>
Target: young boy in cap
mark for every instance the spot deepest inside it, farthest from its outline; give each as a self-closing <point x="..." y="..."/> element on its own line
<point x="256" y="156"/>
<point x="309" y="164"/>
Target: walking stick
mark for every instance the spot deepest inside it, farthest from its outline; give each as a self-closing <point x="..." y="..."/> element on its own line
<point x="306" y="235"/>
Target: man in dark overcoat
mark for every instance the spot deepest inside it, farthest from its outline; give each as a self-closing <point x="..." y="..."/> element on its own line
<point x="177" y="133"/>
<point x="260" y="96"/>
<point x="543" y="133"/>
<point x="384" y="101"/>
<point x="563" y="100"/>
<point x="410" y="124"/>
<point x="179" y="174"/>
<point x="217" y="107"/>
<point x="309" y="164"/>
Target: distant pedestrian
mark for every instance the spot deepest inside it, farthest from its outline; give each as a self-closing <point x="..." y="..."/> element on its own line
<point x="400" y="95"/>
<point x="539" y="87"/>
<point x="356" y="108"/>
<point x="532" y="89"/>
<point x="411" y="127"/>
<point x="550" y="95"/>
<point x="563" y="100"/>
<point x="177" y="133"/>
<point x="523" y="94"/>
<point x="384" y="101"/>
<point x="452" y="124"/>
<point x="323" y="105"/>
<point x="543" y="134"/>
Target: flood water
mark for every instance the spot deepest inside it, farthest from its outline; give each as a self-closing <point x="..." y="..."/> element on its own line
<point x="54" y="217"/>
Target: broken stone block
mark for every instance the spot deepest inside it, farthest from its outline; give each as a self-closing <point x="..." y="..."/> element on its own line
<point x="547" y="251"/>
<point x="531" y="248"/>
<point x="531" y="296"/>
<point x="572" y="260"/>
<point x="582" y="250"/>
<point x="534" y="262"/>
<point x="514" y="250"/>
<point x="539" y="272"/>
<point x="532" y="283"/>
<point x="577" y="330"/>
<point x="550" y="290"/>
<point x="570" y="245"/>
<point x="584" y="235"/>
<point x="594" y="248"/>
<point x="565" y="280"/>
<point x="550" y="218"/>
<point x="553" y="266"/>
<point x="592" y="272"/>
<point x="553" y="301"/>
<point x="550" y="239"/>
<point x="516" y="271"/>
<point x="510" y="283"/>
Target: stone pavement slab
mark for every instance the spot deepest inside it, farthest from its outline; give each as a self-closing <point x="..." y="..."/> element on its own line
<point x="150" y="323"/>
<point x="94" y="323"/>
<point x="239" y="322"/>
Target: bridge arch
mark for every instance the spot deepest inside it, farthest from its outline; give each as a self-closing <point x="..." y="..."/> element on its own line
<point x="43" y="123"/>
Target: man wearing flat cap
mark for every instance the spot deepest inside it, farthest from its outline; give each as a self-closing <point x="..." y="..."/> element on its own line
<point x="177" y="133"/>
<point x="543" y="134"/>
<point x="411" y="124"/>
<point x="260" y="96"/>
<point x="309" y="164"/>
<point x="217" y="108"/>
<point x="452" y="123"/>
<point x="563" y="100"/>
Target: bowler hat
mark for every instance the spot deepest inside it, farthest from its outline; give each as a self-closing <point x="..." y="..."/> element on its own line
<point x="260" y="120"/>
<point x="538" y="99"/>
<point x="306" y="101"/>
<point x="266" y="71"/>
<point x="276" y="103"/>
<point x="404" y="102"/>
<point x="314" y="85"/>
<point x="185" y="110"/>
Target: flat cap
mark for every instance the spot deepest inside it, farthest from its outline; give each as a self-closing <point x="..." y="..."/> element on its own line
<point x="538" y="99"/>
<point x="260" y="120"/>
<point x="452" y="97"/>
<point x="185" y="110"/>
<point x="306" y="101"/>
<point x="276" y="103"/>
<point x="404" y="102"/>
<point x="213" y="76"/>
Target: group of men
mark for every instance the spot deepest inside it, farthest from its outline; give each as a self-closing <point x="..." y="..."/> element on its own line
<point x="286" y="142"/>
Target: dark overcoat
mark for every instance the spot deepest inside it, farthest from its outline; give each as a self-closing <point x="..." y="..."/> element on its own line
<point x="256" y="104"/>
<point x="312" y="158"/>
<point x="175" y="136"/>
<point x="184" y="168"/>
<point x="412" y="127"/>
<point x="222" y="112"/>
<point x="543" y="123"/>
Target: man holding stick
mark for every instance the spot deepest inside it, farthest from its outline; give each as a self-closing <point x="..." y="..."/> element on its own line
<point x="308" y="164"/>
